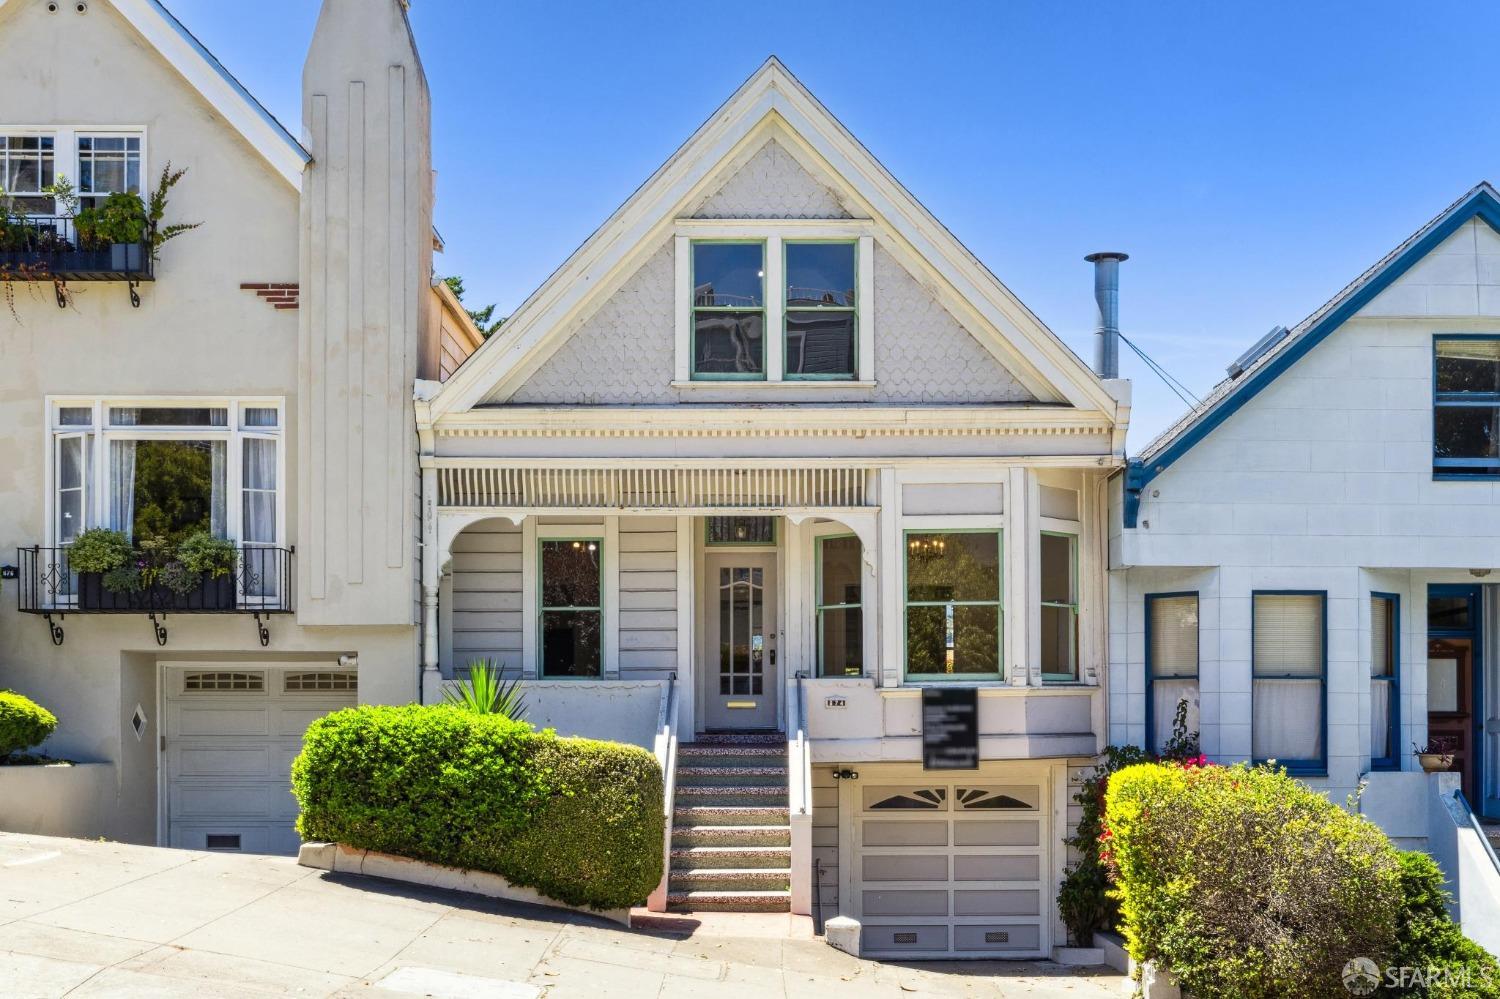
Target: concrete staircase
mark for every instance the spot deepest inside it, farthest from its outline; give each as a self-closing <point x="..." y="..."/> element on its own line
<point x="731" y="825"/>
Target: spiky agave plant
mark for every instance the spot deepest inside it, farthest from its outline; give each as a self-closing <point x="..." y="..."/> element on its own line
<point x="485" y="693"/>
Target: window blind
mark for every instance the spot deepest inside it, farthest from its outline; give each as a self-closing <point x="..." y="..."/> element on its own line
<point x="1174" y="636"/>
<point x="1380" y="636"/>
<point x="1288" y="635"/>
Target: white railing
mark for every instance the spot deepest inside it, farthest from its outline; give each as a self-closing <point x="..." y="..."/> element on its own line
<point x="799" y="797"/>
<point x="825" y="485"/>
<point x="665" y="748"/>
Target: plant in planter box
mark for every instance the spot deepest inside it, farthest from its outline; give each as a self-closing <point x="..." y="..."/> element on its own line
<point x="105" y="563"/>
<point x="119" y="226"/>
<point x="209" y="563"/>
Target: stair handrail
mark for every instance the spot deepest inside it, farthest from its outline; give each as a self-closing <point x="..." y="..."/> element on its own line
<point x="799" y="755"/>
<point x="1489" y="848"/>
<point x="665" y="748"/>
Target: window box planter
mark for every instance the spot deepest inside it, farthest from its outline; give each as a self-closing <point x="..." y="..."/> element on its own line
<point x="210" y="595"/>
<point x="93" y="595"/>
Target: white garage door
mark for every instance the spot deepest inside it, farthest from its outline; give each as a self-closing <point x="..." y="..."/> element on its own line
<point x="232" y="733"/>
<point x="952" y="869"/>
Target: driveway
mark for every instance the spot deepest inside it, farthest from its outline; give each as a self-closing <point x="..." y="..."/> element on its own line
<point x="84" y="918"/>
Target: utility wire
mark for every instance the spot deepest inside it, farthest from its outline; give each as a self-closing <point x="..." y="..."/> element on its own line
<point x="1178" y="388"/>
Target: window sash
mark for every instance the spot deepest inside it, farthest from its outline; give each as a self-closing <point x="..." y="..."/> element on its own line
<point x="544" y="609"/>
<point x="697" y="309"/>
<point x="1070" y="606"/>
<point x="126" y="157"/>
<point x="1173" y="642"/>
<point x="952" y="605"/>
<point x="1461" y="465"/>
<point x="1385" y="686"/>
<point x="1288" y="663"/>
<point x="854" y="609"/>
<point x="44" y="157"/>
<point x="788" y="310"/>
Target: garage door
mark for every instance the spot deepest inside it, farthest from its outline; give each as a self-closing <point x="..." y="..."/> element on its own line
<point x="232" y="734"/>
<point x="952" y="869"/>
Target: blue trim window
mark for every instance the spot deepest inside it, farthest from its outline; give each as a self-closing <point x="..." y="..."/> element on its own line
<point x="1289" y="679"/>
<point x="1385" y="681"/>
<point x="1171" y="664"/>
<point x="1466" y="406"/>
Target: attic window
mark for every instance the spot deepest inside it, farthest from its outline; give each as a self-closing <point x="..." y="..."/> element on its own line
<point x="1466" y="406"/>
<point x="729" y="310"/>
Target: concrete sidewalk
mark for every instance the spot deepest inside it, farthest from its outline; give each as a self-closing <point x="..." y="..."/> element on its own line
<point x="85" y="918"/>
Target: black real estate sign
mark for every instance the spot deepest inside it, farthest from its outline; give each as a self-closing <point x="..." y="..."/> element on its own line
<point x="950" y="728"/>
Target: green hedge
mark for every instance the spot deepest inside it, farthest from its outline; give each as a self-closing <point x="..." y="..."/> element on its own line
<point x="1247" y="883"/>
<point x="23" y="723"/>
<point x="1427" y="940"/>
<point x="576" y="819"/>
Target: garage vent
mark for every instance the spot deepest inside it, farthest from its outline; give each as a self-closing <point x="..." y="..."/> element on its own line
<point x="224" y="681"/>
<point x="301" y="683"/>
<point x="222" y="841"/>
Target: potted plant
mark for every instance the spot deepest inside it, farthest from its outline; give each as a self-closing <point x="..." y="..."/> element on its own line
<point x="1437" y="756"/>
<point x="99" y="553"/>
<point x="118" y="226"/>
<point x="203" y="572"/>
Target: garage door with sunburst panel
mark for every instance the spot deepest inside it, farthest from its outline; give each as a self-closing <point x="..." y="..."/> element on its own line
<point x="951" y="869"/>
<point x="232" y="733"/>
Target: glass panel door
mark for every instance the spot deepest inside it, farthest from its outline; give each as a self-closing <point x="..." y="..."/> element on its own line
<point x="740" y="641"/>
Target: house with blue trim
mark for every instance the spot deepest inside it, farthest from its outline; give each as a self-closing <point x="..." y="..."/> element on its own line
<point x="1307" y="559"/>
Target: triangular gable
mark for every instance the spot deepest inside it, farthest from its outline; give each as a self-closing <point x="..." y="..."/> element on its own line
<point x="1481" y="202"/>
<point x="226" y="95"/>
<point x="773" y="104"/>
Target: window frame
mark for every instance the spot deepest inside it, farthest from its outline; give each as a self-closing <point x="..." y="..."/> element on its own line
<point x="1197" y="677"/>
<point x="1073" y="606"/>
<point x="1470" y="469"/>
<point x="773" y="233"/>
<point x="1305" y="768"/>
<point x="100" y="433"/>
<point x="907" y="676"/>
<point x="709" y="542"/>
<point x="542" y="608"/>
<point x="5" y="156"/>
<point x="764" y="309"/>
<point x="77" y="137"/>
<point x="819" y="607"/>
<point x="1393" y="722"/>
<point x="786" y="310"/>
<point x="65" y="152"/>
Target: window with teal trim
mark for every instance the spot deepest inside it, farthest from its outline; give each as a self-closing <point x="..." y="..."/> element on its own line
<point x="840" y="616"/>
<point x="820" y="310"/>
<point x="953" y="609"/>
<point x="729" y="311"/>
<point x="1466" y="406"/>
<point x="572" y="612"/>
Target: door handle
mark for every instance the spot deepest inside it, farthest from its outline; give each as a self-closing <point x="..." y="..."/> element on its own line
<point x="773" y="657"/>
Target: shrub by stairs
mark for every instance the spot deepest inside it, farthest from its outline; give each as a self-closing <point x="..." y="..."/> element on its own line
<point x="731" y="825"/>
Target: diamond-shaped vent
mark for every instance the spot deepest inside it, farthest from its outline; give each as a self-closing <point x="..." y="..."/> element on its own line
<point x="138" y="722"/>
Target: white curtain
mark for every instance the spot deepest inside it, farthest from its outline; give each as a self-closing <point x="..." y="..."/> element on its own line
<point x="1165" y="695"/>
<point x="1288" y="720"/>
<point x="122" y="485"/>
<point x="259" y="489"/>
<point x="1380" y="720"/>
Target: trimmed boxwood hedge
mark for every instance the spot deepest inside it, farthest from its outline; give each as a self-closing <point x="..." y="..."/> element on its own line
<point x="23" y="723"/>
<point x="577" y="819"/>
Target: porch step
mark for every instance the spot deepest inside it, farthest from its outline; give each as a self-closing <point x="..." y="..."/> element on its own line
<point x="732" y="796"/>
<point x="700" y="776"/>
<point x="730" y="879"/>
<point x="730" y="901"/>
<point x="741" y="739"/>
<point x="731" y="815"/>
<point x="737" y="836"/>
<point x="710" y="754"/>
<point x="719" y="857"/>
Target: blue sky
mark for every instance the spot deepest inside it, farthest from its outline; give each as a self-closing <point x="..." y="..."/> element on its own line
<point x="1251" y="158"/>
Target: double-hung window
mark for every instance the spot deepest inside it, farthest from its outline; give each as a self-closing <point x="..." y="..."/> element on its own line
<point x="1289" y="694"/>
<point x="729" y="311"/>
<point x="820" y="307"/>
<point x="1466" y="406"/>
<point x="953" y="606"/>
<point x="572" y="606"/>
<point x="28" y="169"/>
<point x="1171" y="664"/>
<point x="108" y="164"/>
<point x="1059" y="564"/>
<point x="1385" y="668"/>
<point x="839" y="609"/>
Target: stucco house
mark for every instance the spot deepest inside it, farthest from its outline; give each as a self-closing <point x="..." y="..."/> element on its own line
<point x="1308" y="557"/>
<point x="770" y="456"/>
<point x="253" y="382"/>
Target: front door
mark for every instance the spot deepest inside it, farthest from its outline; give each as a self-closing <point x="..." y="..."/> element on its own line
<point x="739" y="671"/>
<point x="1453" y="693"/>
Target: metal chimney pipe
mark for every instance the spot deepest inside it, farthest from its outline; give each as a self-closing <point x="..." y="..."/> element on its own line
<point x="1107" y="298"/>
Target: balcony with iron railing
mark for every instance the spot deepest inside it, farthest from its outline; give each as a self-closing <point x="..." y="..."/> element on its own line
<point x="50" y="248"/>
<point x="259" y="585"/>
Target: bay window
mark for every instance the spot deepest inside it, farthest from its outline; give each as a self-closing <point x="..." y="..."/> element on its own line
<point x="1171" y="664"/>
<point x="1466" y="406"/>
<point x="1289" y="638"/>
<point x="1385" y="658"/>
<point x="572" y="607"/>
<point x="839" y="612"/>
<point x="953" y="605"/>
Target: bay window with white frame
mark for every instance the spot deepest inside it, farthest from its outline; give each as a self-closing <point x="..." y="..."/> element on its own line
<point x="1059" y="606"/>
<point x="170" y="468"/>
<point x="954" y="612"/>
<point x="1289" y="668"/>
